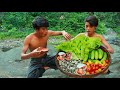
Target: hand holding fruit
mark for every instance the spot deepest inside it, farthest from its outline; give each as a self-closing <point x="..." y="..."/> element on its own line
<point x="38" y="52"/>
<point x="41" y="49"/>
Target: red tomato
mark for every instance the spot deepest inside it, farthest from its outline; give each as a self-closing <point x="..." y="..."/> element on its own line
<point x="99" y="65"/>
<point x="95" y="71"/>
<point x="92" y="65"/>
<point x="88" y="69"/>
<point x="96" y="68"/>
<point x="102" y="67"/>
<point x="106" y="64"/>
<point x="93" y="68"/>
<point x="96" y="65"/>
<point x="107" y="61"/>
<point x="92" y="72"/>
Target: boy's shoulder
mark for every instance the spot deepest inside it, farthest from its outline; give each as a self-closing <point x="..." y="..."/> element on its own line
<point x="99" y="35"/>
<point x="29" y="36"/>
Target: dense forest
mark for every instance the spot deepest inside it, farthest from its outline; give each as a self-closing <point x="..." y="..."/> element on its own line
<point x="18" y="24"/>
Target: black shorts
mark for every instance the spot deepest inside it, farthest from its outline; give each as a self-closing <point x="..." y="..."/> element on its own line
<point x="36" y="67"/>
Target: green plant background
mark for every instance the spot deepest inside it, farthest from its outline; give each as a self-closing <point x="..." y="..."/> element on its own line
<point x="18" y="24"/>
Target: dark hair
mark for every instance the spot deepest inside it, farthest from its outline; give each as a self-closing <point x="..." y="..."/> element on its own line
<point x="39" y="22"/>
<point x="93" y="21"/>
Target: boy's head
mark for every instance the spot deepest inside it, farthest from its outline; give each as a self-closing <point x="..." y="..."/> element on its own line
<point x="91" y="22"/>
<point x="40" y="25"/>
<point x="39" y="22"/>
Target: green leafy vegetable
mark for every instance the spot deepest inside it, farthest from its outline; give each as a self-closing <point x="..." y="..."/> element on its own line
<point x="80" y="47"/>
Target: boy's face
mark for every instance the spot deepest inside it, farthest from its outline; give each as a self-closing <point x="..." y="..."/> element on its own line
<point x="42" y="31"/>
<point x="89" y="29"/>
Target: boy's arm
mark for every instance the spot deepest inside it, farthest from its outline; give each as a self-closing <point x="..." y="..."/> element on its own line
<point x="105" y="43"/>
<point x="56" y="33"/>
<point x="24" y="50"/>
<point x="34" y="54"/>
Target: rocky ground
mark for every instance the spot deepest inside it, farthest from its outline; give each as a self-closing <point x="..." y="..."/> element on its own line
<point x="11" y="66"/>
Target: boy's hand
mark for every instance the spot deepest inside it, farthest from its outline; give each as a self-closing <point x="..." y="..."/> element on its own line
<point x="66" y="35"/>
<point x="110" y="51"/>
<point x="38" y="52"/>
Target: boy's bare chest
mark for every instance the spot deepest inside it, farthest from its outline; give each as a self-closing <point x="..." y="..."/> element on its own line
<point x="35" y="43"/>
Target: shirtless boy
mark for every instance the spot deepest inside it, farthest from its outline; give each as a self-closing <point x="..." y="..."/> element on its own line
<point x="36" y="42"/>
<point x="91" y="23"/>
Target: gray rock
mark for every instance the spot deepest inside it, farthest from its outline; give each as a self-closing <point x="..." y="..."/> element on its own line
<point x="11" y="65"/>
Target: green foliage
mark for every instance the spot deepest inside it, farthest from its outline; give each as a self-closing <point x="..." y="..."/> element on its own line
<point x="101" y="28"/>
<point x="18" y="24"/>
<point x="117" y="29"/>
<point x="110" y="19"/>
<point x="80" y="46"/>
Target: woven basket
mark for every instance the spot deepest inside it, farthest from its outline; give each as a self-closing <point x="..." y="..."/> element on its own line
<point x="86" y="76"/>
